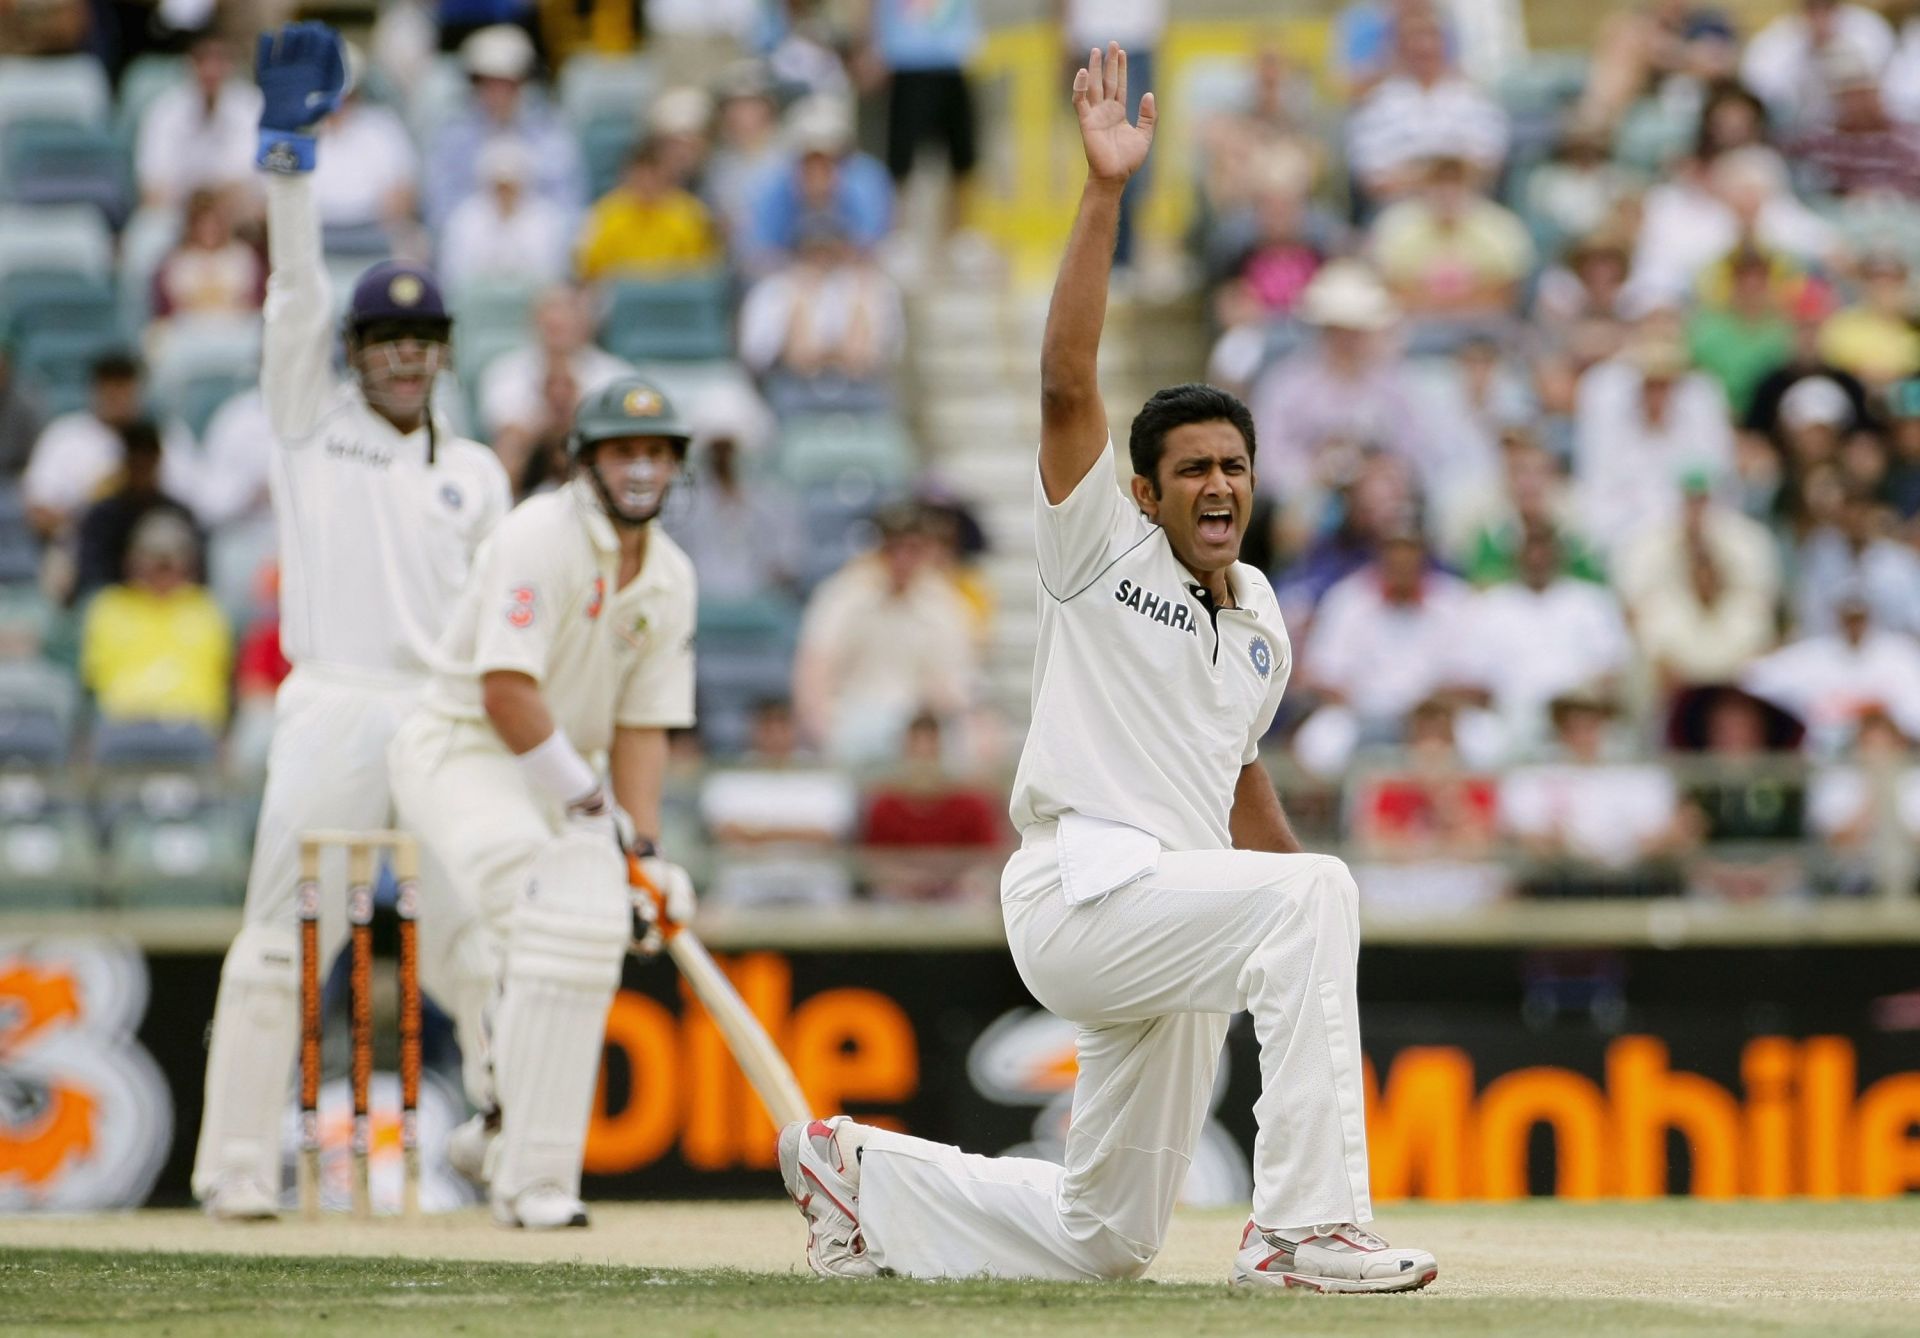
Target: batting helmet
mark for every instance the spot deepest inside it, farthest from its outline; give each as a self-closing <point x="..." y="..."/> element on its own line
<point x="627" y="406"/>
<point x="398" y="292"/>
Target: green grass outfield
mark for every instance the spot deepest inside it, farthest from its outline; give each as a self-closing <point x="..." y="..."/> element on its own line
<point x="1533" y="1268"/>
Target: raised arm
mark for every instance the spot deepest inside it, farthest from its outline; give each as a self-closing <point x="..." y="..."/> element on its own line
<point x="1073" y="421"/>
<point x="302" y="74"/>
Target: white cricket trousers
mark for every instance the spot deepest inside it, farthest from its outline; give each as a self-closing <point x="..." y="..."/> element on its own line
<point x="1151" y="975"/>
<point x="326" y="768"/>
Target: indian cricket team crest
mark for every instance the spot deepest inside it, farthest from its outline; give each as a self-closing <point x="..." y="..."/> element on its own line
<point x="642" y="402"/>
<point x="406" y="290"/>
<point x="451" y="498"/>
<point x="1262" y="656"/>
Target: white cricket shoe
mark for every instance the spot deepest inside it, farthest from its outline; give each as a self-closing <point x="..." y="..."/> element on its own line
<point x="470" y="1147"/>
<point x="826" y="1186"/>
<point x="541" y="1207"/>
<point x="1337" y="1258"/>
<point x="240" y="1198"/>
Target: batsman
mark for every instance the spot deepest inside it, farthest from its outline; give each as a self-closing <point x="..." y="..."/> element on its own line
<point x="1159" y="887"/>
<point x="380" y="509"/>
<point x="573" y="639"/>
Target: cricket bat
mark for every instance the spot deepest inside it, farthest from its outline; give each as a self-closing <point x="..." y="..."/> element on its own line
<point x="759" y="1058"/>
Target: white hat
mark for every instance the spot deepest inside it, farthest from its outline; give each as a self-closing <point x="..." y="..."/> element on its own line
<point x="1816" y="401"/>
<point x="681" y="111"/>
<point x="1346" y="296"/>
<point x="499" y="51"/>
<point x="731" y="409"/>
<point x="504" y="158"/>
<point x="820" y="124"/>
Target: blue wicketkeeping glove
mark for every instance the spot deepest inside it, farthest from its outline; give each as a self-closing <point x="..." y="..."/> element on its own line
<point x="302" y="72"/>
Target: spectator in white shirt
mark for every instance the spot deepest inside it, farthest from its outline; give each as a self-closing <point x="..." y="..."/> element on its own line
<point x="200" y="133"/>
<point x="746" y="145"/>
<point x="514" y="404"/>
<point x="825" y="330"/>
<point x="1857" y="555"/>
<point x="779" y="820"/>
<point x="1642" y="421"/>
<point x="366" y="170"/>
<point x="1783" y="61"/>
<point x="1426" y="109"/>
<point x="503" y="231"/>
<point x="79" y="453"/>
<point x="1382" y="641"/>
<point x="1828" y="680"/>
<point x="1705" y="628"/>
<point x="1545" y="634"/>
<point x="1705" y="210"/>
<point x="1658" y="555"/>
<point x="1849" y="805"/>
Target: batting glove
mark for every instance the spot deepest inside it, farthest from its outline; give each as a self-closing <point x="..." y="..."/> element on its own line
<point x="302" y="73"/>
<point x="667" y="892"/>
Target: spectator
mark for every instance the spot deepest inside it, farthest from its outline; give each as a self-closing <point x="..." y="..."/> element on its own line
<point x="697" y="39"/>
<point x="747" y="145"/>
<point x="824" y="331"/>
<point x="366" y="172"/>
<point x="503" y="231"/>
<point x="1704" y="630"/>
<point x="499" y="63"/>
<point x="804" y="59"/>
<point x="107" y="527"/>
<point x="1864" y="152"/>
<point x="1666" y="48"/>
<point x="646" y="226"/>
<point x="79" y="452"/>
<point x="883" y="640"/>
<point x="1471" y="400"/>
<point x="1741" y="801"/>
<point x="1809" y="310"/>
<point x="1579" y="810"/>
<point x="1660" y="554"/>
<point x="1279" y="251"/>
<point x="1545" y="634"/>
<point x="1448" y="252"/>
<point x="200" y="134"/>
<point x="1424" y="833"/>
<point x="1739" y="342"/>
<point x="1857" y="557"/>
<point x="20" y="419"/>
<point x="823" y="173"/>
<point x="1580" y="314"/>
<point x="738" y="529"/>
<point x="1852" y="804"/>
<point x="1348" y="385"/>
<point x="157" y="647"/>
<point x="1874" y="338"/>
<point x="928" y="836"/>
<point x="528" y="394"/>
<point x="1580" y="190"/>
<point x="921" y="52"/>
<point x="1384" y="640"/>
<point x="1424" y="110"/>
<point x="680" y="123"/>
<point x="1531" y="496"/>
<point x="1828" y="679"/>
<point x="1365" y="34"/>
<point x="1784" y="61"/>
<point x="1708" y="208"/>
<point x="1378" y="502"/>
<point x="1640" y="420"/>
<point x="210" y="271"/>
<point x="1139" y="26"/>
<point x="780" y="820"/>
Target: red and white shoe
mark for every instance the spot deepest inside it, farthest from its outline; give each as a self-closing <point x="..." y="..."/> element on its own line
<point x="1336" y="1258"/>
<point x="825" y="1182"/>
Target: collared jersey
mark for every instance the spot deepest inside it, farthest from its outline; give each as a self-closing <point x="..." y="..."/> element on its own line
<point x="375" y="540"/>
<point x="543" y="602"/>
<point x="1146" y="704"/>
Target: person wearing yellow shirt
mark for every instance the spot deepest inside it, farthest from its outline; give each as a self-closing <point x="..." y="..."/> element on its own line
<point x="1875" y="337"/>
<point x="647" y="226"/>
<point x="156" y="646"/>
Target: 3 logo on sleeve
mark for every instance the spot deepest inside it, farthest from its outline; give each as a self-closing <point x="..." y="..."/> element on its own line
<point x="520" y="607"/>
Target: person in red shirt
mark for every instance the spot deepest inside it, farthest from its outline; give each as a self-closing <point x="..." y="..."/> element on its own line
<point x="931" y="833"/>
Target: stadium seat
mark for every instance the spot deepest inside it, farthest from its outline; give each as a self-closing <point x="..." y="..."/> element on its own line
<point x="604" y="145"/>
<point x="19" y="555"/>
<point x="146" y="77"/>
<point x="837" y="521"/>
<point x="45" y="163"/>
<point x="68" y="90"/>
<point x="59" y="364"/>
<point x="495" y="305"/>
<point x="152" y="744"/>
<point x="60" y="238"/>
<point x="37" y="706"/>
<point x="198" y="859"/>
<point x="746" y="657"/>
<point x="673" y="320"/>
<point x="595" y="87"/>
<point x="144" y="243"/>
<point x="436" y="99"/>
<point x="368" y="242"/>
<point x="201" y="363"/>
<point x="825" y="448"/>
<point x="49" y="860"/>
<point x="38" y="300"/>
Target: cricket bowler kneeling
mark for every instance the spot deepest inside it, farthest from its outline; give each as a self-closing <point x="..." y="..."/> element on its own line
<point x="574" y="637"/>
<point x="1159" y="887"/>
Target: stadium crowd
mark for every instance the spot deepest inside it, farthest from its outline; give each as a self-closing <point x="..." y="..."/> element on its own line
<point x="1587" y="388"/>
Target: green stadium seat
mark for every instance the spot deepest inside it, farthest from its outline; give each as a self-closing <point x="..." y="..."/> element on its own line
<point x="33" y="301"/>
<point x="53" y="163"/>
<point x="674" y="320"/>
<point x="495" y="305"/>
<point x="201" y="364"/>
<point x="437" y="99"/>
<point x="196" y="860"/>
<point x="146" y="77"/>
<point x="70" y="90"/>
<point x="48" y="861"/>
<point x="604" y="146"/>
<point x="144" y="243"/>
<point x="58" y="238"/>
<point x="59" y="363"/>
<point x="829" y="448"/>
<point x="594" y="87"/>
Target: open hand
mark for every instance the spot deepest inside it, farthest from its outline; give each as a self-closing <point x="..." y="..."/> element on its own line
<point x="1115" y="148"/>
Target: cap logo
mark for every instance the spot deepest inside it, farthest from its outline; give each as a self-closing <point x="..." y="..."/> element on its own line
<point x="642" y="402"/>
<point x="406" y="290"/>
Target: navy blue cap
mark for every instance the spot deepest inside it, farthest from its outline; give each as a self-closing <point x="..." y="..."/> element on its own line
<point x="396" y="290"/>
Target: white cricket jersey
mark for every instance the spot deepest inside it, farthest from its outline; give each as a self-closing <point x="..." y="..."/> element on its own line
<point x="1145" y="705"/>
<point x="543" y="601"/>
<point x="375" y="541"/>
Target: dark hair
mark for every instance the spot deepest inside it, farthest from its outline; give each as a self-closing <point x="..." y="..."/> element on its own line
<point x="115" y="365"/>
<point x="140" y="437"/>
<point x="1176" y="406"/>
